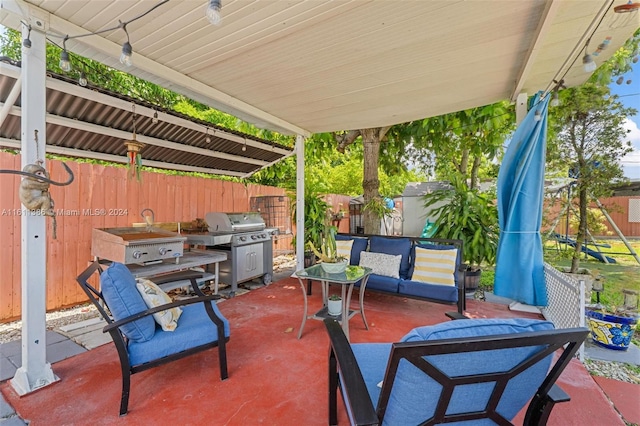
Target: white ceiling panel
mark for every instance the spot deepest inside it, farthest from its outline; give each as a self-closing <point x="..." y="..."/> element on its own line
<point x="321" y="65"/>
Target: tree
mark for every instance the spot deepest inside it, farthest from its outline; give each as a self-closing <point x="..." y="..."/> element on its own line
<point x="371" y="140"/>
<point x="463" y="141"/>
<point x="587" y="138"/>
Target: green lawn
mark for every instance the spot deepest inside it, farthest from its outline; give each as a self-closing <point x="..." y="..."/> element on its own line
<point x="624" y="274"/>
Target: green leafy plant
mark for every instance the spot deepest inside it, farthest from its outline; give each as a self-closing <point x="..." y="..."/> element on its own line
<point x="327" y="251"/>
<point x="335" y="297"/>
<point x="315" y="213"/>
<point x="468" y="215"/>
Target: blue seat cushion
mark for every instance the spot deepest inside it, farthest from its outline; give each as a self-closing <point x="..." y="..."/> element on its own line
<point x="437" y="247"/>
<point x="381" y="283"/>
<point x="394" y="246"/>
<point x="195" y="328"/>
<point x="414" y="395"/>
<point x="359" y="245"/>
<point x="446" y="293"/>
<point x="118" y="288"/>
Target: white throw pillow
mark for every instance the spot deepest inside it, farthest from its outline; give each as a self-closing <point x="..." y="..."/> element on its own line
<point x="435" y="266"/>
<point x="343" y="249"/>
<point x="154" y="296"/>
<point x="381" y="264"/>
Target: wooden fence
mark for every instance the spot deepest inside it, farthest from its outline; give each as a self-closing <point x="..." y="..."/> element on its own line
<point x="102" y="197"/>
<point x="624" y="211"/>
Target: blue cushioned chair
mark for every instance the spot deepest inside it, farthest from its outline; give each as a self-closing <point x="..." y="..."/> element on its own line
<point x="472" y="371"/>
<point x="140" y="342"/>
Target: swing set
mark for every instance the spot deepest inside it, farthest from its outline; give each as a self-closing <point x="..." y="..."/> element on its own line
<point x="558" y="192"/>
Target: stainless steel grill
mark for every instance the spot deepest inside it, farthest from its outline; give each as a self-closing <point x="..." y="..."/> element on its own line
<point x="142" y="245"/>
<point x="246" y="241"/>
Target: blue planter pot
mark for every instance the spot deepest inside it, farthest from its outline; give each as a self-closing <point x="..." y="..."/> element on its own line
<point x="611" y="331"/>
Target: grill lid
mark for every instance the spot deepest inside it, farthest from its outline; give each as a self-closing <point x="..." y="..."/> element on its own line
<point x="234" y="222"/>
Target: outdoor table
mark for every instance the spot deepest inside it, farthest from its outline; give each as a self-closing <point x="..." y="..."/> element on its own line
<point x="346" y="280"/>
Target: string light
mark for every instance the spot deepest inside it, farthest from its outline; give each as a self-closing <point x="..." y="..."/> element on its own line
<point x="65" y="62"/>
<point x="537" y="116"/>
<point x="27" y="41"/>
<point x="213" y="12"/>
<point x="154" y="120"/>
<point x="587" y="60"/>
<point x="244" y="147"/>
<point x="207" y="138"/>
<point x="82" y="80"/>
<point x="127" y="50"/>
<point x="556" y="95"/>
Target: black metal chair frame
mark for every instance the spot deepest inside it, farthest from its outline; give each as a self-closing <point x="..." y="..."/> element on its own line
<point x="345" y="373"/>
<point x="121" y="341"/>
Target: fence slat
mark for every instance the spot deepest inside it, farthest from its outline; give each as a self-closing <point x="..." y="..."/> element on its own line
<point x="96" y="195"/>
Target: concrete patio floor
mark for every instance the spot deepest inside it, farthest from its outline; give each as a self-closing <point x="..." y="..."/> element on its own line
<point x="274" y="378"/>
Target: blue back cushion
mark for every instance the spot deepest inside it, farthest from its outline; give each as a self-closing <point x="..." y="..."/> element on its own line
<point x="121" y="296"/>
<point x="414" y="395"/>
<point x="359" y="245"/>
<point x="437" y="247"/>
<point x="394" y="246"/>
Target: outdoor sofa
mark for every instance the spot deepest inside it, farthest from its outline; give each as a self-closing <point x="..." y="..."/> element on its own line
<point x="437" y="277"/>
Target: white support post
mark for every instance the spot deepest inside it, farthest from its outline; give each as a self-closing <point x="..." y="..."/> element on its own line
<point x="521" y="107"/>
<point x="299" y="202"/>
<point x="35" y="371"/>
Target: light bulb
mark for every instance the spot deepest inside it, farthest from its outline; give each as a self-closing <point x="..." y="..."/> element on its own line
<point x="213" y="12"/>
<point x="82" y="80"/>
<point x="556" y="99"/>
<point x="589" y="63"/>
<point x="207" y="139"/>
<point x="65" y="63"/>
<point x="127" y="51"/>
<point x="244" y="147"/>
<point x="154" y="120"/>
<point x="537" y="116"/>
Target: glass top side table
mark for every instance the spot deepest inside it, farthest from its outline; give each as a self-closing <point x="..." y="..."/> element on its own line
<point x="346" y="280"/>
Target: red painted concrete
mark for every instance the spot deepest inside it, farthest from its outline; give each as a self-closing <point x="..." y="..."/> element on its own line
<point x="274" y="378"/>
<point x="625" y="397"/>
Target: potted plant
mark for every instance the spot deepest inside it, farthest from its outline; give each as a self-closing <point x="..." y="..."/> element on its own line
<point x="331" y="262"/>
<point x="315" y="212"/>
<point x="334" y="305"/>
<point x="468" y="215"/>
<point x="613" y="327"/>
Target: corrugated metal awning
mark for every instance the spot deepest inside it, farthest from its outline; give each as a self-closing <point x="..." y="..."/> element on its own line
<point x="91" y="123"/>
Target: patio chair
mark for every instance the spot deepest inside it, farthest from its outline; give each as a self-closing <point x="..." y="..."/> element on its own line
<point x="463" y="370"/>
<point x="140" y="342"/>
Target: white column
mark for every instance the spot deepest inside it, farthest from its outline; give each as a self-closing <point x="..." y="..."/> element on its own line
<point x="35" y="371"/>
<point x="299" y="202"/>
<point x="521" y="107"/>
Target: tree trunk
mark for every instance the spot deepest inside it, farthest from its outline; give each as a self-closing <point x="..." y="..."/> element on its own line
<point x="475" y="168"/>
<point x="582" y="229"/>
<point x="370" y="184"/>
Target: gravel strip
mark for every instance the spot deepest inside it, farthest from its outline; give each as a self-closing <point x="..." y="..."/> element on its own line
<point x="13" y="330"/>
<point x="612" y="370"/>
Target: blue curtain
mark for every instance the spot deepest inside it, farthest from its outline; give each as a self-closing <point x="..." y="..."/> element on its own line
<point x="519" y="264"/>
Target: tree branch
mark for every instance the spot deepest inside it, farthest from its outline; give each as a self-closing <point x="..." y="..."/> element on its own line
<point x="346" y="139"/>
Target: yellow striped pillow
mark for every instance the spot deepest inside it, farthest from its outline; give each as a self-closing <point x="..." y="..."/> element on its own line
<point x="343" y="249"/>
<point x="435" y="266"/>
